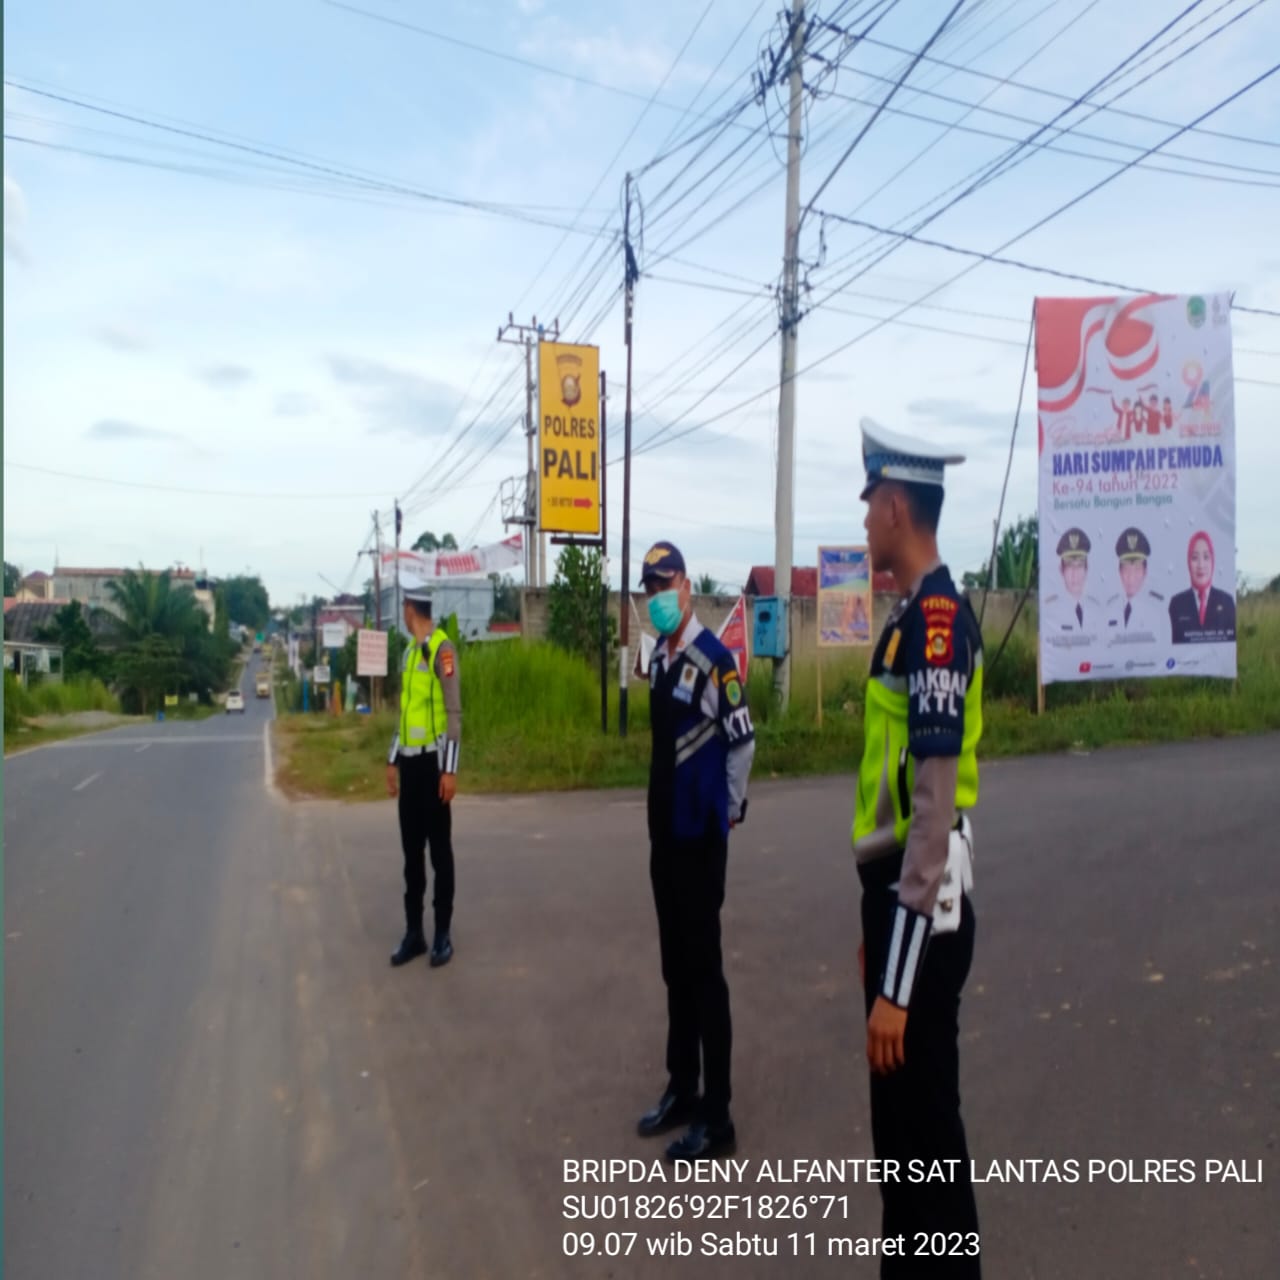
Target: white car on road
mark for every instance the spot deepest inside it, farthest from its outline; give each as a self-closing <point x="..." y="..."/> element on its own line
<point x="235" y="702"/>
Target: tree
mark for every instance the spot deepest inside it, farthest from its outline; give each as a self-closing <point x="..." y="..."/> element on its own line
<point x="1274" y="584"/>
<point x="247" y="601"/>
<point x="80" y="653"/>
<point x="148" y="669"/>
<point x="429" y="542"/>
<point x="506" y="598"/>
<point x="573" y="603"/>
<point x="151" y="607"/>
<point x="1017" y="558"/>
<point x="706" y="585"/>
<point x="12" y="579"/>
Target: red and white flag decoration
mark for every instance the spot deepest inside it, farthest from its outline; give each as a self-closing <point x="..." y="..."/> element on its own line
<point x="733" y="635"/>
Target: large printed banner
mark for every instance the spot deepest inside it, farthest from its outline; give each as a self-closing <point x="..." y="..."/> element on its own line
<point x="477" y="562"/>
<point x="844" y="596"/>
<point x="568" y="438"/>
<point x="1137" y="487"/>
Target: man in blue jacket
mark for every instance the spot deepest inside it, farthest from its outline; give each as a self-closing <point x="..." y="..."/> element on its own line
<point x="703" y="744"/>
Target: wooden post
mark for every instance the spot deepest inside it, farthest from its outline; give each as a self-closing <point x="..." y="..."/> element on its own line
<point x="1039" y="680"/>
<point x="818" y="651"/>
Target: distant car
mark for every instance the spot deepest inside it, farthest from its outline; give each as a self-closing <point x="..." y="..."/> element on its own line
<point x="235" y="702"/>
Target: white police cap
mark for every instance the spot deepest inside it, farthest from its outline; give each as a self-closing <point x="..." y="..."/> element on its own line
<point x="888" y="455"/>
<point x="422" y="595"/>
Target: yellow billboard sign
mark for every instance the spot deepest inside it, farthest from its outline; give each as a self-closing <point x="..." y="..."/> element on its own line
<point x="568" y="438"/>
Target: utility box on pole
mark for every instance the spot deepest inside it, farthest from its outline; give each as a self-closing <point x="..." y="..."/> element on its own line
<point x="769" y="627"/>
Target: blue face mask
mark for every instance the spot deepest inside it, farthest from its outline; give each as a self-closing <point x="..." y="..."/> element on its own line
<point x="665" y="612"/>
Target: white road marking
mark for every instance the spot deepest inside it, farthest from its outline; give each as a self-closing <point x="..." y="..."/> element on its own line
<point x="142" y="748"/>
<point x="92" y="778"/>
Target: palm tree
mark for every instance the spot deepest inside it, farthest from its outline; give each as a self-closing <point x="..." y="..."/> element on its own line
<point x="429" y="542"/>
<point x="165" y="639"/>
<point x="706" y="585"/>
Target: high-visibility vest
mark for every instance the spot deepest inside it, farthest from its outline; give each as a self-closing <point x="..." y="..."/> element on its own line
<point x="422" y="715"/>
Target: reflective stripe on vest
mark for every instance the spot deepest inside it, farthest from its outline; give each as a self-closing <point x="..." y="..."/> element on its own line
<point x="422" y="715"/>
<point x="887" y="774"/>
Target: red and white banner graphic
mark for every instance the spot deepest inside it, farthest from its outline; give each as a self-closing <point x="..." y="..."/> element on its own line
<point x="477" y="562"/>
<point x="1137" y="487"/>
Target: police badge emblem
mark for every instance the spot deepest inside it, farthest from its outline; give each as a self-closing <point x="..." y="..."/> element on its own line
<point x="570" y="369"/>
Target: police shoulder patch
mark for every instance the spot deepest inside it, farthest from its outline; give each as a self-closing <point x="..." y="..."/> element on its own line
<point x="446" y="660"/>
<point x="939" y="629"/>
<point x="733" y="689"/>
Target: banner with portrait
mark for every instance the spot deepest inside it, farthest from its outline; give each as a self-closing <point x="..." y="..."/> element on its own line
<point x="1137" y="487"/>
<point x="844" y="597"/>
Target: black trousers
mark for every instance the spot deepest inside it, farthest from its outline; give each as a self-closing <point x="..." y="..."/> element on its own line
<point x="688" y="890"/>
<point x="425" y="820"/>
<point x="915" y="1110"/>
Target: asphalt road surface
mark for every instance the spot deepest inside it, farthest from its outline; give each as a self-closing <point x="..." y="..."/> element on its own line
<point x="211" y="1071"/>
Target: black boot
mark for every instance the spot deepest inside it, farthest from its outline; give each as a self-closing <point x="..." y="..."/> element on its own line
<point x="412" y="945"/>
<point x="441" y="949"/>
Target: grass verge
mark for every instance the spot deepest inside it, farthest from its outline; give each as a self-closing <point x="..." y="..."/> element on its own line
<point x="532" y="718"/>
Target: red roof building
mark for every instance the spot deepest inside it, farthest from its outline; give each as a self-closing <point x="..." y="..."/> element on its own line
<point x="804" y="582"/>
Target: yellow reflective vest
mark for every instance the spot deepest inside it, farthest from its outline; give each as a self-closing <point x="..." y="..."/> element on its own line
<point x="923" y="697"/>
<point x="422" y="714"/>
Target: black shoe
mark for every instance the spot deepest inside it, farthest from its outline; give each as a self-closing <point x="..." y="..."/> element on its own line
<point x="704" y="1142"/>
<point x="673" y="1110"/>
<point x="412" y="945"/>
<point x="441" y="949"/>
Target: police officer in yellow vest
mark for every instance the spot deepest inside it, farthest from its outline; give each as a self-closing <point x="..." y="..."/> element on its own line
<point x="423" y="768"/>
<point x="913" y="846"/>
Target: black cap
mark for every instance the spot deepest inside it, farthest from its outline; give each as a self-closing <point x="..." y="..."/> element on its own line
<point x="662" y="560"/>
<point x="1074" y="545"/>
<point x="1132" y="544"/>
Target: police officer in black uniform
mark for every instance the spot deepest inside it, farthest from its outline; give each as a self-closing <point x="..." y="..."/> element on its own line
<point x="913" y="845"/>
<point x="423" y="769"/>
<point x="703" y="745"/>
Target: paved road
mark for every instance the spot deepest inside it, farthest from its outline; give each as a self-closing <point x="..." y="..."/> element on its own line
<point x="210" y="1070"/>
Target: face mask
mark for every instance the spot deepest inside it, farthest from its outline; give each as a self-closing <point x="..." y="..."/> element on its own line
<point x="665" y="612"/>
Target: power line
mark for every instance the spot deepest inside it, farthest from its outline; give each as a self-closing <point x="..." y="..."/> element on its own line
<point x="1001" y="261"/>
<point x="1028" y="120"/>
<point x="515" y="59"/>
<point x="522" y="213"/>
<point x="1018" y="154"/>
<point x="1026" y="87"/>
<point x="1055" y="213"/>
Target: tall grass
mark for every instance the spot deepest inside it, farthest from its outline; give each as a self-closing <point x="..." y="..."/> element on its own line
<point x="54" y="699"/>
<point x="531" y="715"/>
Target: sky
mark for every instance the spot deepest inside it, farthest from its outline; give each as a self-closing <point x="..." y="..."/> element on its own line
<point x="266" y="305"/>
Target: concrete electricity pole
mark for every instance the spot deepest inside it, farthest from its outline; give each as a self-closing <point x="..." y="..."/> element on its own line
<point x="784" y="514"/>
<point x="527" y="336"/>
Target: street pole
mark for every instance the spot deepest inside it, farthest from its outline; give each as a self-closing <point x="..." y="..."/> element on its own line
<point x="399" y="525"/>
<point x="784" y="515"/>
<point x="529" y="336"/>
<point x="624" y="620"/>
<point x="377" y="596"/>
<point x="531" y="478"/>
<point x="604" y="554"/>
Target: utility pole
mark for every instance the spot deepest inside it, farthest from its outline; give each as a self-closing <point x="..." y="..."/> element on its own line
<point x="399" y="525"/>
<point x="631" y="271"/>
<point x="784" y="514"/>
<point x="377" y="570"/>
<point x="527" y="336"/>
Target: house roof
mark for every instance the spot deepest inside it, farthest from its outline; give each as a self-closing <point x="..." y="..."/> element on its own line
<point x="804" y="582"/>
<point x="37" y="575"/>
<point x="63" y="571"/>
<point x="24" y="619"/>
